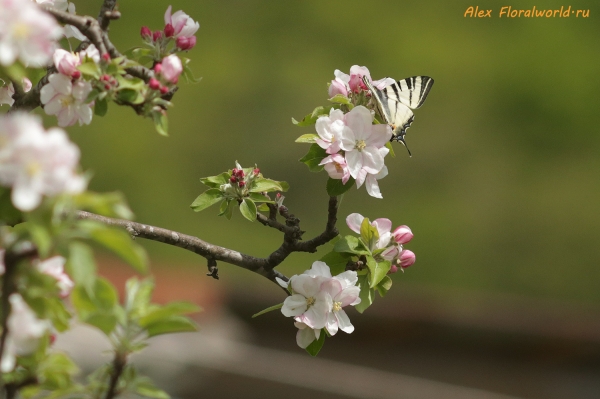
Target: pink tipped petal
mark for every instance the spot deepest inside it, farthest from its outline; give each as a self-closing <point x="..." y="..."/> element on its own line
<point x="403" y="234"/>
<point x="383" y="83"/>
<point x="347" y="278"/>
<point x="354" y="220"/>
<point x="373" y="187"/>
<point x="407" y="258"/>
<point x="348" y="296"/>
<point x="382" y="225"/>
<point x="333" y="287"/>
<point x="168" y="15"/>
<point x="319" y="269"/>
<point x="360" y="121"/>
<point x="390" y="253"/>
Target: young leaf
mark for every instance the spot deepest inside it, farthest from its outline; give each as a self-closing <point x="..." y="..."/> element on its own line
<point x="378" y="270"/>
<point x="101" y="107"/>
<point x="315" y="347"/>
<point x="336" y="261"/>
<point x="121" y="244"/>
<point x="311" y="118"/>
<point x="352" y="245"/>
<point x="145" y="387"/>
<point x="366" y="294"/>
<point x="258" y="197"/>
<point x="384" y="286"/>
<point x="267" y="310"/>
<point x="161" y="123"/>
<point x="81" y="265"/>
<point x="389" y="146"/>
<point x="248" y="209"/>
<point x="267" y="185"/>
<point x="167" y="311"/>
<point x="130" y="96"/>
<point x="206" y="199"/>
<point x="173" y="324"/>
<point x="215" y="181"/>
<point x="335" y="187"/>
<point x="340" y="99"/>
<point x="90" y="68"/>
<point x="307" y="138"/>
<point x="314" y="156"/>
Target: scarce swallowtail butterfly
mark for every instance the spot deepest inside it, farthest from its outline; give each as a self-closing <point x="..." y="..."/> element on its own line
<point x="395" y="102"/>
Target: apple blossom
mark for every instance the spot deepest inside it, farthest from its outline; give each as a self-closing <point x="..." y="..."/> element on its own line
<point x="306" y="335"/>
<point x="35" y="162"/>
<point x="60" y="5"/>
<point x="90" y="53"/>
<point x="337" y="86"/>
<point x="407" y="258"/>
<point x="2" y="267"/>
<point x="67" y="63"/>
<point x="383" y="226"/>
<point x="308" y="304"/>
<point x="55" y="267"/>
<point x="345" y="84"/>
<point x="335" y="165"/>
<point x="24" y="332"/>
<point x="343" y="293"/>
<point x="26" y="33"/>
<point x="171" y="68"/>
<point x="66" y="100"/>
<point x="362" y="141"/>
<point x="402" y="234"/>
<point x="185" y="43"/>
<point x="183" y="24"/>
<point x="70" y="30"/>
<point x="330" y="128"/>
<point x="7" y="92"/>
<point x="370" y="179"/>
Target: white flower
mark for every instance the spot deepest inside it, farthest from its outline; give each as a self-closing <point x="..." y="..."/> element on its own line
<point x="343" y="292"/>
<point x="383" y="226"/>
<point x="60" y="5"/>
<point x="308" y="304"/>
<point x="66" y="62"/>
<point x="330" y="129"/>
<point x="183" y="24"/>
<point x="370" y="179"/>
<point x="91" y="52"/>
<point x="24" y="332"/>
<point x="26" y="33"/>
<point x="55" y="267"/>
<point x="70" y="30"/>
<point x="171" y="68"/>
<point x="344" y="83"/>
<point x="35" y="162"/>
<point x="306" y="335"/>
<point x="65" y="99"/>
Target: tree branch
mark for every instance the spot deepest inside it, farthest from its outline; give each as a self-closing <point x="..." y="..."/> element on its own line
<point x="88" y="26"/>
<point x="119" y="363"/>
<point x="107" y="14"/>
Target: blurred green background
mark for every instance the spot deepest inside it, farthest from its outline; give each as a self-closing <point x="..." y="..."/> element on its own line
<point x="502" y="191"/>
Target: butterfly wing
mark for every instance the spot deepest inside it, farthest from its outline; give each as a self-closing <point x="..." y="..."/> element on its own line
<point x="412" y="91"/>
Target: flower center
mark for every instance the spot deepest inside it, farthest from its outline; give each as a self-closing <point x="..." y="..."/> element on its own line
<point x="338" y="167"/>
<point x="337" y="306"/>
<point x="310" y="301"/>
<point x="33" y="168"/>
<point x="360" y="145"/>
<point x="21" y="30"/>
<point x="66" y="101"/>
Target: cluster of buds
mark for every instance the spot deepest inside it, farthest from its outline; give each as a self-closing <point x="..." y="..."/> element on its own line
<point x="178" y="26"/>
<point x="405" y="258"/>
<point x="166" y="73"/>
<point x="240" y="181"/>
<point x="108" y="82"/>
<point x="353" y="87"/>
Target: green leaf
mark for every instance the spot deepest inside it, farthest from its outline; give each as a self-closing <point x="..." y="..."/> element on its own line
<point x="366" y="294"/>
<point x="92" y="96"/>
<point x="98" y="308"/>
<point x="167" y="311"/>
<point x="161" y="123"/>
<point x="101" y="107"/>
<point x="187" y="71"/>
<point x="135" y="53"/>
<point x="121" y="244"/>
<point x="106" y="322"/>
<point x="335" y="187"/>
<point x="378" y="270"/>
<point x="206" y="199"/>
<point x="258" y="197"/>
<point x="137" y="296"/>
<point x="315" y="347"/>
<point x="352" y="245"/>
<point x="81" y="265"/>
<point x="340" y="99"/>
<point x="90" y="68"/>
<point x="267" y="310"/>
<point x="130" y="96"/>
<point x="106" y="204"/>
<point x="261" y="185"/>
<point x="135" y="84"/>
<point x="248" y="209"/>
<point x="307" y="138"/>
<point x="313" y="157"/>
<point x="8" y="213"/>
<point x="336" y="261"/>
<point x="143" y="386"/>
<point x="368" y="233"/>
<point x="311" y="118"/>
<point x="173" y="324"/>
<point x="216" y="181"/>
<point x="384" y="286"/>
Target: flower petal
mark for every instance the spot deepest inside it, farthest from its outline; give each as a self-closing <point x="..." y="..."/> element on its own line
<point x="354" y="221"/>
<point x="344" y="322"/>
<point x="294" y="305"/>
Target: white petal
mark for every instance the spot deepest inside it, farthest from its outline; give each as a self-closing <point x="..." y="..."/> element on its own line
<point x="294" y="305"/>
<point x="354" y="160"/>
<point x="373" y="187"/>
<point x="344" y="322"/>
<point x="354" y="221"/>
<point x="282" y="283"/>
<point x="372" y="160"/>
<point x="25" y="197"/>
<point x="382" y="225"/>
<point x="305" y="337"/>
<point x="348" y="278"/>
<point x="332" y="324"/>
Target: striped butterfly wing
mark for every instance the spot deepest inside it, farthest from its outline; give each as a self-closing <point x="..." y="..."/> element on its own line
<point x="394" y="102"/>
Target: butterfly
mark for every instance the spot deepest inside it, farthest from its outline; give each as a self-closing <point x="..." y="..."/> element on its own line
<point x="395" y="102"/>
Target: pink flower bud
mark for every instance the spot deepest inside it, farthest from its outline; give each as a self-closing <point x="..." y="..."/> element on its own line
<point x="407" y="258"/>
<point x="233" y="179"/>
<point x="242" y="183"/>
<point x="164" y="89"/>
<point x="402" y="234"/>
<point x="157" y="35"/>
<point x="169" y="30"/>
<point x="146" y="33"/>
<point x="157" y="68"/>
<point x="76" y="75"/>
<point x="185" y="43"/>
<point x="66" y="62"/>
<point x="154" y="84"/>
<point x="106" y="86"/>
<point x="393" y="269"/>
<point x="181" y="22"/>
<point x="106" y="57"/>
<point x="171" y="68"/>
<point x="52" y="338"/>
<point x="256" y="171"/>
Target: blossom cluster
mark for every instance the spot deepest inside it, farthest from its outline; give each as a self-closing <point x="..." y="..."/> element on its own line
<point x="35" y="162"/>
<point x="178" y="26"/>
<point x="239" y="182"/>
<point x="390" y="241"/>
<point x="317" y="302"/>
<point x="355" y="146"/>
<point x="66" y="93"/>
<point x="168" y="71"/>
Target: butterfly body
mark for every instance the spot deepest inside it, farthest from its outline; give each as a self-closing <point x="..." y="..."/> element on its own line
<point x="396" y="102"/>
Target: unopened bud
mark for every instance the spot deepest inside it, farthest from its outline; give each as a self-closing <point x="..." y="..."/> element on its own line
<point x="106" y="86"/>
<point x="256" y="171"/>
<point x="106" y="57"/>
<point x="402" y="234"/>
<point x="154" y="84"/>
<point x="169" y="30"/>
<point x="185" y="43"/>
<point x="407" y="258"/>
<point x="164" y="89"/>
<point x="157" y="68"/>
<point x="233" y="179"/>
<point x="242" y="183"/>
<point x="145" y="32"/>
<point x="76" y="74"/>
<point x="157" y="35"/>
<point x="393" y="269"/>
